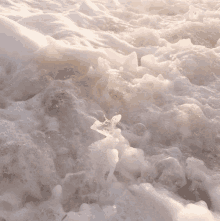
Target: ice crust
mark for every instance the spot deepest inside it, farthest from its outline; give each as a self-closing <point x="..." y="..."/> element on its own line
<point x="109" y="110"/>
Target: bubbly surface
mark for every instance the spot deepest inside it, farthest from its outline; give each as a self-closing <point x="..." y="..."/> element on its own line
<point x="109" y="110"/>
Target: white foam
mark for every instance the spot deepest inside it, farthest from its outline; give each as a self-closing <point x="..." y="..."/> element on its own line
<point x="125" y="92"/>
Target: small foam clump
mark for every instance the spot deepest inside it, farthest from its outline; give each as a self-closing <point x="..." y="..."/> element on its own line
<point x="174" y="152"/>
<point x="144" y="37"/>
<point x="195" y="14"/>
<point x="129" y="161"/>
<point x="196" y="169"/>
<point x="171" y="173"/>
<point x="201" y="175"/>
<point x="104" y="153"/>
<point x="195" y="213"/>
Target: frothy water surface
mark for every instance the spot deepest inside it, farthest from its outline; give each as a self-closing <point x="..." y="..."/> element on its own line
<point x="110" y="110"/>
